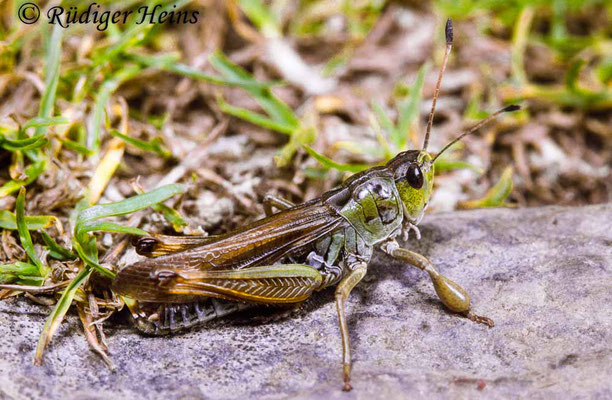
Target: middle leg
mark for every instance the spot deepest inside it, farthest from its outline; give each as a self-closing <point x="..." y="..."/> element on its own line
<point x="272" y="201"/>
<point x="344" y="288"/>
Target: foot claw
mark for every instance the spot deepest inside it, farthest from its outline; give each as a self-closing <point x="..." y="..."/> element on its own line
<point x="347" y="379"/>
<point x="480" y="319"/>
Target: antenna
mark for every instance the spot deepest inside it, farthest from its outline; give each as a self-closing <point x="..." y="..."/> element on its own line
<point x="474" y="128"/>
<point x="449" y="44"/>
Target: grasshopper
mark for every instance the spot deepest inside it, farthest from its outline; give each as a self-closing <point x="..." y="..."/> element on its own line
<point x="287" y="256"/>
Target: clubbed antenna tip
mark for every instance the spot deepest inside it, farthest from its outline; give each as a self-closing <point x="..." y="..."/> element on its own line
<point x="449" y="31"/>
<point x="449" y="44"/>
<point x="513" y="107"/>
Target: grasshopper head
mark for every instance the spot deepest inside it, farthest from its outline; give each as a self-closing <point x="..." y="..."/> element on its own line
<point x="413" y="172"/>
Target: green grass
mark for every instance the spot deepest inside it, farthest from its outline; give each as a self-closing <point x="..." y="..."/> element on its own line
<point x="523" y="18"/>
<point x="278" y="117"/>
<point x="114" y="62"/>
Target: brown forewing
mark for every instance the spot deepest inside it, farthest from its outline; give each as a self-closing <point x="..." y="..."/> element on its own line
<point x="263" y="242"/>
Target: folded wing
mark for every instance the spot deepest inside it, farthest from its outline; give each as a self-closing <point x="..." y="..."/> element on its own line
<point x="261" y="243"/>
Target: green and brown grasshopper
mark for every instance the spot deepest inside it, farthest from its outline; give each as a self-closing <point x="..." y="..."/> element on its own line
<point x="287" y="256"/>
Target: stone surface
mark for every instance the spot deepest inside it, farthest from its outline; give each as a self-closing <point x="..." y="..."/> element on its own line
<point x="544" y="275"/>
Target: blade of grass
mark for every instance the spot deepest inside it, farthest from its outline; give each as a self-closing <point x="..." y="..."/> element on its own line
<point x="408" y="112"/>
<point x="110" y="227"/>
<point x="56" y="317"/>
<point x="38" y="143"/>
<point x="20" y="144"/>
<point x="262" y="17"/>
<point x="40" y="122"/>
<point x="84" y="244"/>
<point x="520" y="38"/>
<point x="446" y="164"/>
<point x="329" y="163"/>
<point x="129" y="205"/>
<point x="58" y="252"/>
<point x="72" y="145"/>
<point x="7" y="138"/>
<point x="24" y="234"/>
<point x="154" y="146"/>
<point x="17" y="272"/>
<point x="274" y="107"/>
<point x="170" y="64"/>
<point x="496" y="196"/>
<point x="19" y="267"/>
<point x="172" y="216"/>
<point x="571" y="77"/>
<point x="33" y="222"/>
<point x="106" y="90"/>
<point x="134" y="34"/>
<point x="29" y="280"/>
<point x="52" y="74"/>
<point x="383" y="119"/>
<point x="32" y="172"/>
<point x="255" y="118"/>
<point x="169" y="213"/>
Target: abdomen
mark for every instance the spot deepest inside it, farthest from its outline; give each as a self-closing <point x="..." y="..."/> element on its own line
<point x="166" y="318"/>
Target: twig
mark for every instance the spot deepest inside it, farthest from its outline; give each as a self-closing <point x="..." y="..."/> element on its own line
<point x="36" y="289"/>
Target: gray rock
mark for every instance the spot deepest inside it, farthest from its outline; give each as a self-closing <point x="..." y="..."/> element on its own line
<point x="544" y="275"/>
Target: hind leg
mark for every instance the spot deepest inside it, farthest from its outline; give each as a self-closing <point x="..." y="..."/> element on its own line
<point x="453" y="296"/>
<point x="266" y="284"/>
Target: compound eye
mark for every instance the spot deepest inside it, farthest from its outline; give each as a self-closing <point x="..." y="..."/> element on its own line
<point x="414" y="176"/>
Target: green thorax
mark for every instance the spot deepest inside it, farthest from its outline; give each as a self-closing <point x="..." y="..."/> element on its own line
<point x="374" y="208"/>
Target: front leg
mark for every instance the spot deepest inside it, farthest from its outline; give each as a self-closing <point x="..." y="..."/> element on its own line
<point x="358" y="271"/>
<point x="407" y="227"/>
<point x="453" y="296"/>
